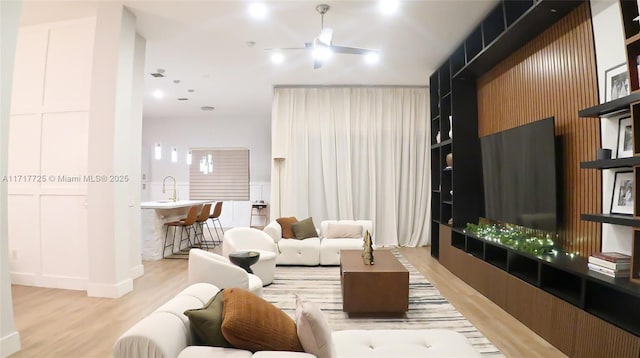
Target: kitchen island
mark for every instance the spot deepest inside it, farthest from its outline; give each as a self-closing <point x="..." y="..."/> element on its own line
<point x="154" y="215"/>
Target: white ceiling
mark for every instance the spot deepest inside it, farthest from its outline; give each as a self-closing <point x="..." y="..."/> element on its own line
<point x="204" y="45"/>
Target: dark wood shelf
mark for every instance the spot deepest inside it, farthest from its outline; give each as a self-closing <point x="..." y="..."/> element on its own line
<point x="611" y="163"/>
<point x="612" y="302"/>
<point x="632" y="39"/>
<point x="523" y="267"/>
<point x="441" y="144"/>
<point x="611" y="108"/>
<point x="475" y="247"/>
<point x="447" y="169"/>
<point x="621" y="284"/>
<point x="449" y="202"/>
<point x="566" y="295"/>
<point x="562" y="283"/>
<point x="615" y="320"/>
<point x="624" y="220"/>
<point x="532" y="23"/>
<point x="458" y="240"/>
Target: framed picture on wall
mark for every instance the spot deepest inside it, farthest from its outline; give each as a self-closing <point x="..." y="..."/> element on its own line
<point x="617" y="82"/>
<point x="625" y="138"/>
<point x="622" y="202"/>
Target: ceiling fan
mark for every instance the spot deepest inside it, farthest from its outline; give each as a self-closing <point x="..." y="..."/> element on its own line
<point x="322" y="46"/>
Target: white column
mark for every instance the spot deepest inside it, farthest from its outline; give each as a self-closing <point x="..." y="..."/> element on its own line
<point x="135" y="162"/>
<point x="112" y="153"/>
<point x="9" y="17"/>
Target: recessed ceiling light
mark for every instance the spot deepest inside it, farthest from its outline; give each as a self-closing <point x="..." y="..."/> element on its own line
<point x="277" y="58"/>
<point x="388" y="7"/>
<point x="372" y="57"/>
<point x="257" y="10"/>
<point x="158" y="94"/>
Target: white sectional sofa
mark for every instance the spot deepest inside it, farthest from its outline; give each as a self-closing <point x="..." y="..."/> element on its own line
<point x="316" y="250"/>
<point x="165" y="333"/>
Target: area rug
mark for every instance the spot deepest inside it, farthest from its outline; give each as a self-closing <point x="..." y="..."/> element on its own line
<point x="321" y="285"/>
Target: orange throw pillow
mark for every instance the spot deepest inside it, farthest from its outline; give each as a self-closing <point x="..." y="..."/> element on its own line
<point x="285" y="223"/>
<point x="251" y="323"/>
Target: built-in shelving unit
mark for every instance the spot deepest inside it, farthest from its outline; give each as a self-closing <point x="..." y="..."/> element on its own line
<point x="454" y="132"/>
<point x="591" y="313"/>
<point x="605" y="110"/>
<point x="453" y="96"/>
<point x="563" y="275"/>
<point x="630" y="13"/>
<point x="629" y="104"/>
<point x="611" y="108"/>
<point x="508" y="26"/>
<point x="611" y="163"/>
<point x="624" y="220"/>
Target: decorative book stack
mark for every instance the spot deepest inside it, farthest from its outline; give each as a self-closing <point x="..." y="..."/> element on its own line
<point x="612" y="264"/>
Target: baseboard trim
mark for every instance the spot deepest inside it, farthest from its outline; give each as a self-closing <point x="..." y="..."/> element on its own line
<point x="23" y="278"/>
<point x="136" y="271"/>
<point x="108" y="290"/>
<point x="62" y="282"/>
<point x="10" y="344"/>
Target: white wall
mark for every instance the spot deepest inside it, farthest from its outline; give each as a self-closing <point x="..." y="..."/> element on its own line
<point x="49" y="136"/>
<point x="9" y="16"/>
<point x="214" y="131"/>
<point x="610" y="52"/>
<point x="76" y="112"/>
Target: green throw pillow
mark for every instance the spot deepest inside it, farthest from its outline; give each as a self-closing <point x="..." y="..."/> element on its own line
<point x="205" y="323"/>
<point x="304" y="229"/>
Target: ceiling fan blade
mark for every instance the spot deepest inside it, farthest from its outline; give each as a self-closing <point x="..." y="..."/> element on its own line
<point x="285" y="48"/>
<point x="351" y="50"/>
<point x="317" y="64"/>
<point x="325" y="36"/>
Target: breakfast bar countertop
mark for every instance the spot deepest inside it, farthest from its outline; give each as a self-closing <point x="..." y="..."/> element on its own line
<point x="170" y="204"/>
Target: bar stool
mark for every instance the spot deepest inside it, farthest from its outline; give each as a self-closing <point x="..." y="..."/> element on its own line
<point x="215" y="216"/>
<point x="185" y="225"/>
<point x="201" y="221"/>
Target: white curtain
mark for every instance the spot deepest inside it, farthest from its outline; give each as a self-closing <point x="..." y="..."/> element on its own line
<point x="354" y="153"/>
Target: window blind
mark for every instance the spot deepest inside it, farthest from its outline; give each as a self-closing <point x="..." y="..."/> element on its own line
<point x="220" y="174"/>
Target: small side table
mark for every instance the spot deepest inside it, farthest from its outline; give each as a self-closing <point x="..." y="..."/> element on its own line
<point x="258" y="210"/>
<point x="244" y="259"/>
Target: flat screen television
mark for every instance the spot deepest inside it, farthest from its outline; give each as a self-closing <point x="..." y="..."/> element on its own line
<point x="519" y="176"/>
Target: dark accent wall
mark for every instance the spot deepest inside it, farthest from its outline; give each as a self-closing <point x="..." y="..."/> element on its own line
<point x="554" y="75"/>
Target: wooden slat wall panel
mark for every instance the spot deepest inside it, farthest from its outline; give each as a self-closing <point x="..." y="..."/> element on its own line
<point x="555" y="321"/>
<point x="596" y="338"/>
<point x="554" y="75"/>
<point x="521" y="300"/>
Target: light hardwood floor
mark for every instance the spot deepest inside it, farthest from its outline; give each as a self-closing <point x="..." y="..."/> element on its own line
<point x="63" y="323"/>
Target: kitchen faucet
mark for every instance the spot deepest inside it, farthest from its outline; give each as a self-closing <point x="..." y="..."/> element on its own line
<point x="175" y="196"/>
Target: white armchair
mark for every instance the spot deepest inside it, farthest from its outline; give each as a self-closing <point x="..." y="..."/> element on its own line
<point x="250" y="239"/>
<point x="205" y="266"/>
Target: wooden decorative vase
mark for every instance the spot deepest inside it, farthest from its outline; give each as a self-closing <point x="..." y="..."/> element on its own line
<point x="449" y="159"/>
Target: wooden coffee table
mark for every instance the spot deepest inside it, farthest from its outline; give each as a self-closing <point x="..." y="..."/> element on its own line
<point x="379" y="288"/>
